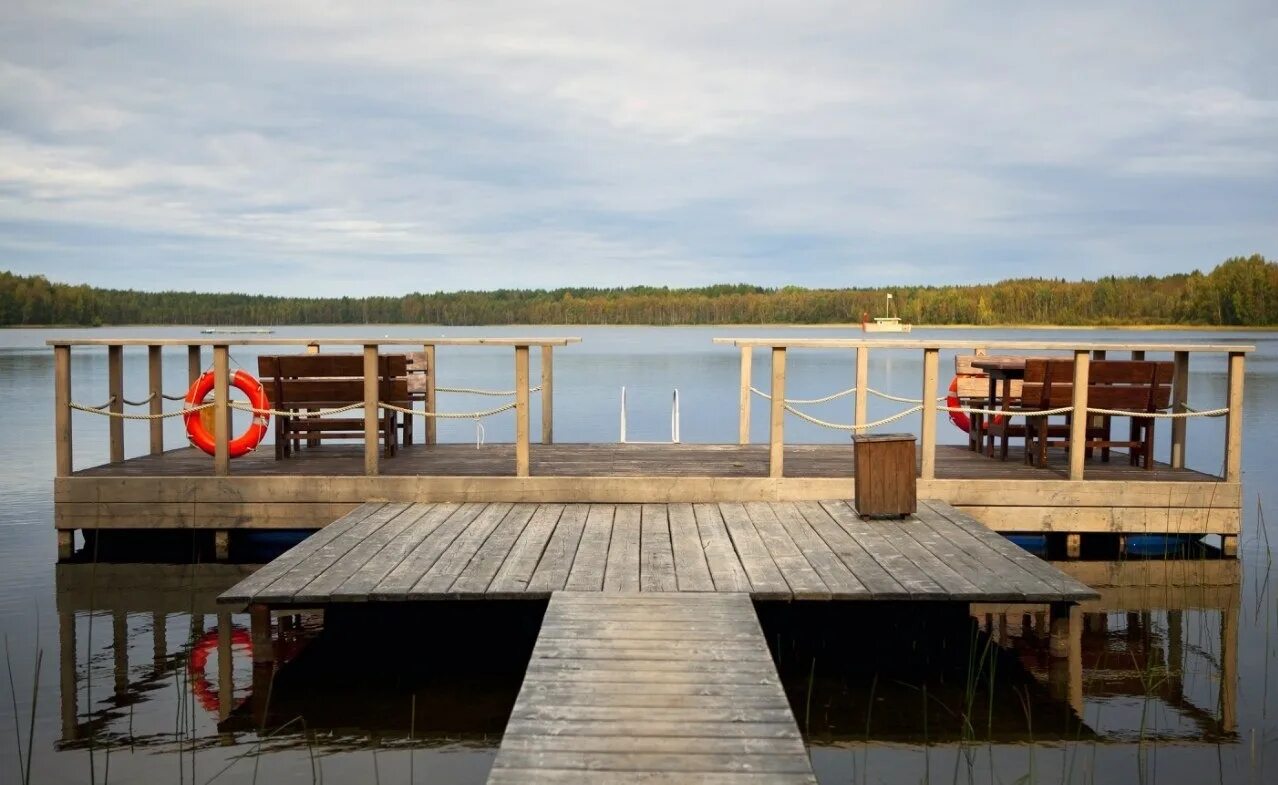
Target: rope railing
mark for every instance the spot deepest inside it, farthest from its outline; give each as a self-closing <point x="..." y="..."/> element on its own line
<point x="478" y="391"/>
<point x="842" y="394"/>
<point x="1004" y="413"/>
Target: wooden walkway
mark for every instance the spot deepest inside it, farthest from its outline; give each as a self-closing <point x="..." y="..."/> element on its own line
<point x="651" y="688"/>
<point x="768" y="550"/>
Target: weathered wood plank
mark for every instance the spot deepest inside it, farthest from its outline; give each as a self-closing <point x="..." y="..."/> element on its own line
<point x="725" y="567"/>
<point x="691" y="571"/>
<point x="880" y="584"/>
<point x="246" y="589"/>
<point x="400" y="580"/>
<point x="656" y="566"/>
<point x="357" y="587"/>
<point x="622" y="571"/>
<point x="516" y="572"/>
<point x="834" y="573"/>
<point x="478" y="574"/>
<point x="911" y="577"/>
<point x="591" y="559"/>
<point x="353" y="561"/>
<point x="766" y="580"/>
<point x="458" y="554"/>
<point x="804" y="582"/>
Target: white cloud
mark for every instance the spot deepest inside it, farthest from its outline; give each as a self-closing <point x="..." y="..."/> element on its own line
<point x="345" y="147"/>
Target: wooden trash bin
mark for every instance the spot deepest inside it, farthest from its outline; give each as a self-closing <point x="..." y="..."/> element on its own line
<point x="886" y="484"/>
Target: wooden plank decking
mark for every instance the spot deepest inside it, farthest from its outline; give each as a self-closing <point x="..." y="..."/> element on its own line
<point x="768" y="550"/>
<point x="653" y="687"/>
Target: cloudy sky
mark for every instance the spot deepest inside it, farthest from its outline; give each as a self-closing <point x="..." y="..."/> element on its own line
<point x="331" y="147"/>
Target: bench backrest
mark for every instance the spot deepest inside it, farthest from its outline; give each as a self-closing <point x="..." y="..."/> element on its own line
<point x="315" y="380"/>
<point x="1131" y="385"/>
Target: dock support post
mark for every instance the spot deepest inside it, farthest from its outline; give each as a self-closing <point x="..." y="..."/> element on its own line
<point x="931" y="363"/>
<point x="521" y="412"/>
<point x="221" y="410"/>
<point x="1229" y="546"/>
<point x="222" y="545"/>
<point x="225" y="666"/>
<point x="547" y="394"/>
<point x="431" y="377"/>
<point x="66" y="544"/>
<point x="1180" y="396"/>
<point x="115" y="389"/>
<point x="372" y="448"/>
<point x="1061" y="628"/>
<point x="120" y="652"/>
<point x="260" y="634"/>
<point x="743" y="411"/>
<point x="194" y="364"/>
<point x="67" y="676"/>
<point x="1229" y="665"/>
<point x="155" y="381"/>
<point x="776" y="436"/>
<point x="862" y="384"/>
<point x="159" y="642"/>
<point x="1073" y="546"/>
<point x="1065" y="672"/>
<point x="1078" y="418"/>
<point x="1234" y="420"/>
<point x="62" y="409"/>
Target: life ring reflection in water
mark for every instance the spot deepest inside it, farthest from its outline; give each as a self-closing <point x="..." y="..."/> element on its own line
<point x="198" y="432"/>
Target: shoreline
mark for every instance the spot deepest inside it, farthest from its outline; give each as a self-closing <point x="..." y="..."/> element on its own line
<point x="734" y="326"/>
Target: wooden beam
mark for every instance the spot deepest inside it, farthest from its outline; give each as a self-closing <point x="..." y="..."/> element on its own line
<point x="1078" y="419"/>
<point x="521" y="412"/>
<point x="743" y="406"/>
<point x="862" y="384"/>
<point x="776" y="434"/>
<point x="221" y="410"/>
<point x="893" y="343"/>
<point x="115" y="389"/>
<point x="1234" y="419"/>
<point x="194" y="365"/>
<point x="372" y="389"/>
<point x="62" y="410"/>
<point x="1138" y="354"/>
<point x="260" y="634"/>
<point x="1180" y="396"/>
<point x="432" y="377"/>
<point x="547" y="395"/>
<point x="155" y="378"/>
<point x="931" y="372"/>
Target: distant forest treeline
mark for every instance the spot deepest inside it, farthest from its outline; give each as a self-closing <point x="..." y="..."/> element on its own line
<point x="1240" y="291"/>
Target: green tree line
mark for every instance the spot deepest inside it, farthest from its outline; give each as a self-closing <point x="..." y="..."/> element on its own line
<point x="1240" y="291"/>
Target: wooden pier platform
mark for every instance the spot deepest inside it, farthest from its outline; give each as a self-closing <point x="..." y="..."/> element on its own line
<point x="768" y="550"/>
<point x="653" y="687"/>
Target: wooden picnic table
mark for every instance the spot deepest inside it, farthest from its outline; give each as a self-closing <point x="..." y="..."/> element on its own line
<point x="1004" y="369"/>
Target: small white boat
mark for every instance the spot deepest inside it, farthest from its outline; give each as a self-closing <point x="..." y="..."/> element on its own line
<point x="888" y="323"/>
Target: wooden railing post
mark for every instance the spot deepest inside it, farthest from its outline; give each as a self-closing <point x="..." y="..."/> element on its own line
<point x="432" y="374"/>
<point x="372" y="390"/>
<point x="221" y="410"/>
<point x="194" y="365"/>
<point x="115" y="389"/>
<point x="743" y="405"/>
<point x="62" y="409"/>
<point x="1234" y="419"/>
<point x="931" y="368"/>
<point x="547" y="395"/>
<point x="776" y="435"/>
<point x="155" y="377"/>
<point x="1180" y="397"/>
<point x="521" y="412"/>
<point x="862" y="384"/>
<point x="1078" y="418"/>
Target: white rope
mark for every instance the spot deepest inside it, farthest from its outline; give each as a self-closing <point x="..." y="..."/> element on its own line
<point x="1008" y="412"/>
<point x="142" y="402"/>
<point x="173" y="397"/>
<point x="477" y="391"/>
<point x="843" y="393"/>
<point x="447" y="415"/>
<point x="123" y="416"/>
<point x="845" y="427"/>
<point x="247" y="407"/>
<point x="1162" y="415"/>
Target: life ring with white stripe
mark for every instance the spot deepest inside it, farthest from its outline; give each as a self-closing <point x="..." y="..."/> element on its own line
<point x="246" y="442"/>
<point x="960" y="419"/>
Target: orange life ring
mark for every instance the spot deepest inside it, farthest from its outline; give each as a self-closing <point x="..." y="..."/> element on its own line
<point x="245" y="442"/>
<point x="199" y="657"/>
<point x="960" y="419"/>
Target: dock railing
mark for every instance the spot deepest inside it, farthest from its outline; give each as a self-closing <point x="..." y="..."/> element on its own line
<point x="929" y="404"/>
<point x="64" y="407"/>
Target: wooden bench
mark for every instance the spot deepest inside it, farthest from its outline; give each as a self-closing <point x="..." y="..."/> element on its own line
<point x="305" y="383"/>
<point x="1127" y="385"/>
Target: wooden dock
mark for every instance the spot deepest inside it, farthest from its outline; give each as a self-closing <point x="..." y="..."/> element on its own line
<point x="653" y="687"/>
<point x="770" y="551"/>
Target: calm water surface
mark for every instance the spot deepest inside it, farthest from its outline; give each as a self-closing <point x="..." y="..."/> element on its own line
<point x="882" y="696"/>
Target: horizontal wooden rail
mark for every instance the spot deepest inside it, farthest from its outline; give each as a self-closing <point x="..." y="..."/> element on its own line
<point x="214" y="341"/>
<point x="1064" y="346"/>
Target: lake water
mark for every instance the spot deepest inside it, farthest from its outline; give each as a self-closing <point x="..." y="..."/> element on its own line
<point x="881" y="698"/>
